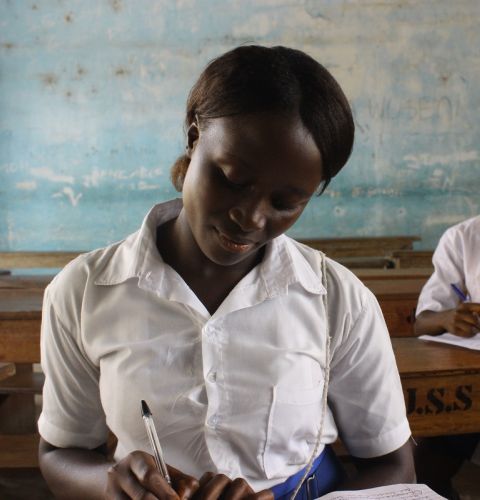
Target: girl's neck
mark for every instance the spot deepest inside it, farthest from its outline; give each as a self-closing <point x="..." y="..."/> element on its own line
<point x="210" y="282"/>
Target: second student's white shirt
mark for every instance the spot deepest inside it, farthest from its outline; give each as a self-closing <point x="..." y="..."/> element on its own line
<point x="455" y="260"/>
<point x="237" y="392"/>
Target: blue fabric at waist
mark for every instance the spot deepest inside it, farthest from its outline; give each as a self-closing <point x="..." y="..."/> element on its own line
<point x="325" y="467"/>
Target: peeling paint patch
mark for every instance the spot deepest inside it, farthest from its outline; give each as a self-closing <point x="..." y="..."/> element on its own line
<point x="443" y="220"/>
<point x="69" y="194"/>
<point x="426" y="159"/>
<point x="94" y="178"/>
<point x="26" y="185"/>
<point x="144" y="186"/>
<point x="49" y="174"/>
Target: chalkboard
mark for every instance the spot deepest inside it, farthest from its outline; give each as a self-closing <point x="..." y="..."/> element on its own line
<point x="92" y="97"/>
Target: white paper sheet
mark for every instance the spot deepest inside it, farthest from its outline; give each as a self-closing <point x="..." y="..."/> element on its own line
<point x="448" y="338"/>
<point x="394" y="491"/>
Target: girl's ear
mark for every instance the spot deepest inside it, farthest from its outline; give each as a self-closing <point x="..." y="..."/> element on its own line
<point x="193" y="134"/>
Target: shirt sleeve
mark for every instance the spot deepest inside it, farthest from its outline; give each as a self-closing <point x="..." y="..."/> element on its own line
<point x="437" y="294"/>
<point x="72" y="414"/>
<point x="365" y="393"/>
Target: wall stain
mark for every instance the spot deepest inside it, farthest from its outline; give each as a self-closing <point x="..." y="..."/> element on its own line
<point x="68" y="94"/>
<point x="34" y="7"/>
<point x="49" y="79"/>
<point x="81" y="71"/>
<point x="8" y="45"/>
<point x="116" y="5"/>
<point x="68" y="18"/>
<point x="122" y="72"/>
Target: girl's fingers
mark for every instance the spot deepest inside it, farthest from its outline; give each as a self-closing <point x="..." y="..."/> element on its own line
<point x="136" y="476"/>
<point x="237" y="489"/>
<point x="212" y="486"/>
<point x="184" y="485"/>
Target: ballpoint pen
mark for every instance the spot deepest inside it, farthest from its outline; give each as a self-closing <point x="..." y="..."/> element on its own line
<point x="461" y="295"/>
<point x="154" y="441"/>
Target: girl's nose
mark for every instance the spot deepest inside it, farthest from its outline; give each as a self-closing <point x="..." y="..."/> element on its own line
<point x="249" y="216"/>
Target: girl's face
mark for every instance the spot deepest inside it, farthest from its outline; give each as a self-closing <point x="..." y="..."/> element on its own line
<point x="249" y="179"/>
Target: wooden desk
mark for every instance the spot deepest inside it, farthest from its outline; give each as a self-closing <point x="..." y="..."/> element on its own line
<point x="20" y="319"/>
<point x="441" y="385"/>
<point x="398" y="301"/>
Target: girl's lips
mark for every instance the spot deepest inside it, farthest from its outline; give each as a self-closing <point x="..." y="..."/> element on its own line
<point x="234" y="246"/>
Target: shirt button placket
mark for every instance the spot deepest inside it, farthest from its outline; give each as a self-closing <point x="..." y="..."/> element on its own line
<point x="210" y="357"/>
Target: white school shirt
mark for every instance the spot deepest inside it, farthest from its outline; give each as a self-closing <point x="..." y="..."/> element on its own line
<point x="455" y="260"/>
<point x="237" y="392"/>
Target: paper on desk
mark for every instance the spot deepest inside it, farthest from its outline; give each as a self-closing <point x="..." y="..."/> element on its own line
<point x="448" y="338"/>
<point x="394" y="491"/>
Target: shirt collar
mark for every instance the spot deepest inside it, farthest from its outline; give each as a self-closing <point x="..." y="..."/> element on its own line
<point x="285" y="261"/>
<point x="285" y="264"/>
<point x="137" y="255"/>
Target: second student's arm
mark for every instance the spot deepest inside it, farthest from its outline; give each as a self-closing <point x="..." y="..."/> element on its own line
<point x="464" y="321"/>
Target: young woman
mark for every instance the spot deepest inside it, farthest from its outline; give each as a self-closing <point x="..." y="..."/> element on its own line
<point x="234" y="334"/>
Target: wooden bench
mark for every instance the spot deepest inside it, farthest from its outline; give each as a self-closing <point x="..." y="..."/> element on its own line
<point x="6" y="370"/>
<point x="412" y="258"/>
<point x="377" y="246"/>
<point x="40" y="260"/>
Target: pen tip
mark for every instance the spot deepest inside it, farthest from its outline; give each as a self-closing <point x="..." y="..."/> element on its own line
<point x="145" y="409"/>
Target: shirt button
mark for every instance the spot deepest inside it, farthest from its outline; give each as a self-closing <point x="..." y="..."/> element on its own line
<point x="212" y="377"/>
<point x="213" y="421"/>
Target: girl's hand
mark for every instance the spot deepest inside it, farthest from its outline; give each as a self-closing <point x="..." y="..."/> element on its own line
<point x="213" y="486"/>
<point x="136" y="476"/>
<point x="464" y="321"/>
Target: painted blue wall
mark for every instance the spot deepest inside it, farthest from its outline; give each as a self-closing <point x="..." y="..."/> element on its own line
<point x="92" y="96"/>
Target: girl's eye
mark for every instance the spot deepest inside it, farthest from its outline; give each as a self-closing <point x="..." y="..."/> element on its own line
<point x="227" y="182"/>
<point x="284" y="205"/>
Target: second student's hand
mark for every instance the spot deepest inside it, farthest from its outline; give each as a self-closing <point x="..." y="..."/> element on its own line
<point x="464" y="320"/>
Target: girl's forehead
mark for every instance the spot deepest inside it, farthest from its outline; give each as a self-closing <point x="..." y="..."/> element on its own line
<point x="261" y="142"/>
<point x="262" y="131"/>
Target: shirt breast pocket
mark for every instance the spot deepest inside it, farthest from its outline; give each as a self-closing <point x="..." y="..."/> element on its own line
<point x="293" y="426"/>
